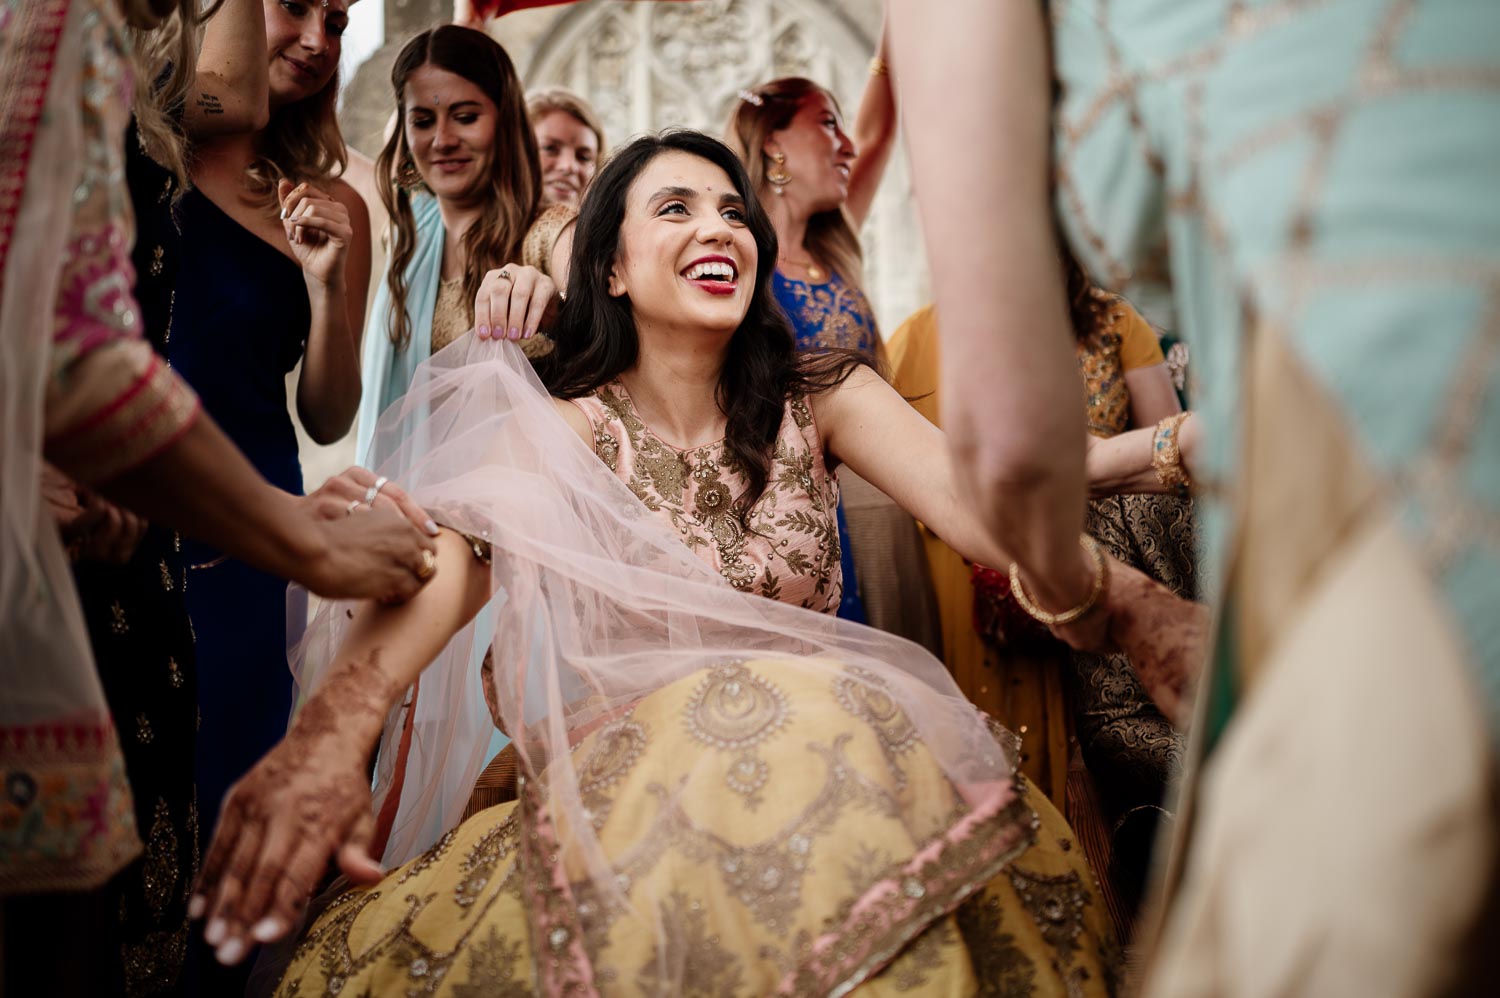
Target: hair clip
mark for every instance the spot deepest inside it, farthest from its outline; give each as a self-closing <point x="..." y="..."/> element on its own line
<point x="751" y="97"/>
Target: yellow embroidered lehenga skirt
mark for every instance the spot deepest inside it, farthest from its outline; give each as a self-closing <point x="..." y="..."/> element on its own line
<point x="746" y="857"/>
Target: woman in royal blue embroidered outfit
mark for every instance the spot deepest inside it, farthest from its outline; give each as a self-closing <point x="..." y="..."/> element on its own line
<point x="818" y="186"/>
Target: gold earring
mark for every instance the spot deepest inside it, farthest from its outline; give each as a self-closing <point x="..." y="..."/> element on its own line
<point x="777" y="175"/>
<point x="407" y="177"/>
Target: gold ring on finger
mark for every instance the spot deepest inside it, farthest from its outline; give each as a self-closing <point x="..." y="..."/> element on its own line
<point x="429" y="565"/>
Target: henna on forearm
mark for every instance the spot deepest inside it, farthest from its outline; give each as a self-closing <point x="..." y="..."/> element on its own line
<point x="352" y="703"/>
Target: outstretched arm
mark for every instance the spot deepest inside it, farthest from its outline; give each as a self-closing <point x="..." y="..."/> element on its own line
<point x="884" y="439"/>
<point x="309" y="798"/>
<point x="872" y="429"/>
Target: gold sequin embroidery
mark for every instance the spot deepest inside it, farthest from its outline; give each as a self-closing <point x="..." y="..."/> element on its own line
<point x="159" y="875"/>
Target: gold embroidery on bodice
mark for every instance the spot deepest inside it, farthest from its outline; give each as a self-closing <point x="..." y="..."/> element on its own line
<point x="785" y="547"/>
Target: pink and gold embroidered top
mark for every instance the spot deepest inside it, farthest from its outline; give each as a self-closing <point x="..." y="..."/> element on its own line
<point x="786" y="548"/>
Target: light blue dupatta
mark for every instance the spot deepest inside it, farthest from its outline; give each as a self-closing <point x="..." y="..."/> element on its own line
<point x="387" y="373"/>
<point x="385" y="370"/>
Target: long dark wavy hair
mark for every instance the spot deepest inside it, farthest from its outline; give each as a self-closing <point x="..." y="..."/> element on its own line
<point x="596" y="336"/>
<point x="515" y="168"/>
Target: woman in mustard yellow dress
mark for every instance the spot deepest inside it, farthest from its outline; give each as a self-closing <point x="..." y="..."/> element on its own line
<point x="724" y="789"/>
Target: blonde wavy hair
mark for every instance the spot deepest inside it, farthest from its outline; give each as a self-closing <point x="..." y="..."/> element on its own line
<point x="830" y="234"/>
<point x="515" y="191"/>
<point x="542" y="102"/>
<point x="301" y="143"/>
<point x="166" y="58"/>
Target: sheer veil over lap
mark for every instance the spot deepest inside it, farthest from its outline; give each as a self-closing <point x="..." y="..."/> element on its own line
<point x="605" y="605"/>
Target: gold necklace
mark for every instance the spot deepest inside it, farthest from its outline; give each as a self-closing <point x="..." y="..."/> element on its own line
<point x="814" y="272"/>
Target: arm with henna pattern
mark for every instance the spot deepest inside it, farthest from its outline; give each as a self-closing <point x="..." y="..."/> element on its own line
<point x="309" y="798"/>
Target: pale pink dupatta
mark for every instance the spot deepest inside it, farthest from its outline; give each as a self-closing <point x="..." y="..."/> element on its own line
<point x="604" y="605"/>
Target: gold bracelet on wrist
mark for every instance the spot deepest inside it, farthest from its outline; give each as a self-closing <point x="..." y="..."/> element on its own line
<point x="879" y="67"/>
<point x="1166" y="454"/>
<point x="1101" y="579"/>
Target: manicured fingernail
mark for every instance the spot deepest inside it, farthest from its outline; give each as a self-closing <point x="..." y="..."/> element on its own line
<point x="529" y="334"/>
<point x="484" y="332"/>
<point x="231" y="952"/>
<point x="267" y="929"/>
<point x="214" y="934"/>
<point x="515" y="333"/>
<point x="432" y="527"/>
<point x="283" y="213"/>
<point x="196" y="905"/>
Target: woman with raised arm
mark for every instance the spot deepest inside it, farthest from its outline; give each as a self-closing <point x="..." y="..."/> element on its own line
<point x="818" y="186"/>
<point x="721" y="782"/>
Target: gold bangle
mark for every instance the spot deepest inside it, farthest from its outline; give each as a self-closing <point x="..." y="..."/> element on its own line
<point x="1166" y="454"/>
<point x="878" y="67"/>
<point x="1101" y="579"/>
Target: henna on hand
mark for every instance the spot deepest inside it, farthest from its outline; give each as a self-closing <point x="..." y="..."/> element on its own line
<point x="305" y="802"/>
<point x="1165" y="636"/>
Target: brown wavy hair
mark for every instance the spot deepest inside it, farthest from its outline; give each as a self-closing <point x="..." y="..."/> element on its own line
<point x="830" y="234"/>
<point x="515" y="168"/>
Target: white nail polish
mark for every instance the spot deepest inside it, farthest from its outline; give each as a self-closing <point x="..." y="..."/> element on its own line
<point x="214" y="934"/>
<point x="267" y="929"/>
<point x="196" y="905"/>
<point x="231" y="952"/>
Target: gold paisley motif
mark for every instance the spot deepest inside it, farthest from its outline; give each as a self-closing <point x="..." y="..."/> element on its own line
<point x="496" y="969"/>
<point x="866" y="696"/>
<point x="1106" y="399"/>
<point x="615" y="751"/>
<point x="1002" y="966"/>
<point x="735" y="709"/>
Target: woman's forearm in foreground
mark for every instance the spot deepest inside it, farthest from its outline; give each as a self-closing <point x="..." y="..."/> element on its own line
<point x="309" y="800"/>
<point x="388" y="646"/>
<point x="203" y="486"/>
<point x="1010" y="380"/>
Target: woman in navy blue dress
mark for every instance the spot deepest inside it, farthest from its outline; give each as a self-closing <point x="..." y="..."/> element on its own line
<point x="274" y="269"/>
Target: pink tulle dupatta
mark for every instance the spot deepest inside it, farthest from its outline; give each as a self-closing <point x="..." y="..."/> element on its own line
<point x="600" y="605"/>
